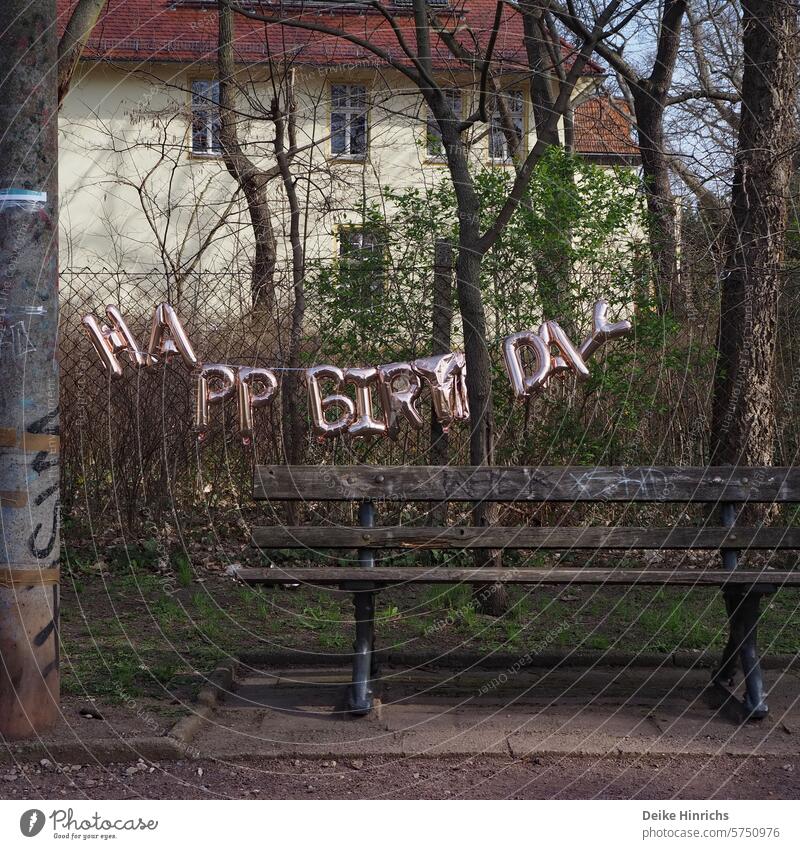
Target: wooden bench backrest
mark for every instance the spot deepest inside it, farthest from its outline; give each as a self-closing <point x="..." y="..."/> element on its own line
<point x="659" y="484"/>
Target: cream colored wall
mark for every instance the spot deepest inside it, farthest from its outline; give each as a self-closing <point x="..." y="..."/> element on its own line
<point x="135" y="201"/>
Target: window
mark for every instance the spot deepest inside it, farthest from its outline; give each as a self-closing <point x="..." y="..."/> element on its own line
<point x="362" y="259"/>
<point x="205" y="118"/>
<point x="498" y="142"/>
<point x="433" y="138"/>
<point x="359" y="245"/>
<point x="349" y="120"/>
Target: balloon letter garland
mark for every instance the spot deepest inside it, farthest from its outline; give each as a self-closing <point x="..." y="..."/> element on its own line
<point x="396" y="386"/>
<point x="569" y="358"/>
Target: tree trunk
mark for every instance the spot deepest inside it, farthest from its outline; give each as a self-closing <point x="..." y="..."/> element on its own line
<point x="476" y="350"/>
<point x="743" y="421"/>
<point x="253" y="180"/>
<point x="79" y="27"/>
<point x="649" y="100"/>
<point x="293" y="419"/>
<point x="441" y="343"/>
<point x="660" y="201"/>
<point x="441" y="340"/>
<point x="544" y="84"/>
<point x="262" y="280"/>
<point x="29" y="436"/>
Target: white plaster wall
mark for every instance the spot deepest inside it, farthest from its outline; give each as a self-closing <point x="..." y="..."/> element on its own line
<point x="134" y="201"/>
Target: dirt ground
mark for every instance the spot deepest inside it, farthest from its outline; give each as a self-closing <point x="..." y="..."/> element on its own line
<point x="138" y="642"/>
<point x="547" y="777"/>
<point x="636" y="733"/>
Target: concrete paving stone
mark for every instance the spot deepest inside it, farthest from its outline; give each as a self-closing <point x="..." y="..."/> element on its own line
<point x="596" y="711"/>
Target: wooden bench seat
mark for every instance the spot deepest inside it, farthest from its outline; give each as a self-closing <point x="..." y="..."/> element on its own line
<point x="399" y="575"/>
<point x="720" y="490"/>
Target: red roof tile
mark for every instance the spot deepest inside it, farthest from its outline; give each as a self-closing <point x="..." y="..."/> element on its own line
<point x="603" y="128"/>
<point x="186" y="31"/>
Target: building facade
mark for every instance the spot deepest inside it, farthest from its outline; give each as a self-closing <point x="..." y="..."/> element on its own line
<point x="146" y="195"/>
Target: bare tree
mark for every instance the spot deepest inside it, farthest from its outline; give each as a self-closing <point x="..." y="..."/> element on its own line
<point x="293" y="420"/>
<point x="743" y="424"/>
<point x="703" y="111"/>
<point x="252" y="179"/>
<point x="648" y="95"/>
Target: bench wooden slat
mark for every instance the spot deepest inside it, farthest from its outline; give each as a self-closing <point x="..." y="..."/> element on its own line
<point x="402" y="575"/>
<point x="524" y="537"/>
<point x="528" y="483"/>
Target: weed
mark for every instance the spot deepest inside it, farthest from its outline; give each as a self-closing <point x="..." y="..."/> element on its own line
<point x="183" y="569"/>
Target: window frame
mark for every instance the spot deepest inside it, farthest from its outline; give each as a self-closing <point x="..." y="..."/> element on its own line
<point x="378" y="250"/>
<point x="209" y="152"/>
<point x="349" y="111"/>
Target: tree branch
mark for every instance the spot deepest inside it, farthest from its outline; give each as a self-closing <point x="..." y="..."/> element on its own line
<point x="79" y="27"/>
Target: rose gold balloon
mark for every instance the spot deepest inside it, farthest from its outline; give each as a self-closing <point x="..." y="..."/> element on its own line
<point x="114" y="340"/>
<point x="365" y="424"/>
<point x="318" y="405"/>
<point x="602" y="331"/>
<point x="167" y="338"/>
<point x="570" y="358"/>
<point x="462" y="400"/>
<point x="441" y="372"/>
<point x="513" y="345"/>
<point x="248" y="400"/>
<point x="557" y="364"/>
<point x="397" y="402"/>
<point x="206" y="395"/>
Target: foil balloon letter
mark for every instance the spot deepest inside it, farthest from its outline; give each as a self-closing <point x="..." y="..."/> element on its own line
<point x="442" y="372"/>
<point x="602" y="331"/>
<point x="565" y="357"/>
<point x="319" y="405"/>
<point x="110" y="341"/>
<point x="224" y="379"/>
<point x="248" y="400"/>
<point x="400" y="387"/>
<point x="365" y="423"/>
<point x="167" y="337"/>
<point x="513" y="346"/>
<point x="461" y="401"/>
<point x="570" y="358"/>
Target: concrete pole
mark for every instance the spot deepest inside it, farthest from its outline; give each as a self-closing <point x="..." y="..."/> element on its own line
<point x="29" y="437"/>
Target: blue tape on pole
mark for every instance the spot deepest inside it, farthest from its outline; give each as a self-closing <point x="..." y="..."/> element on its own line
<point x="22" y="199"/>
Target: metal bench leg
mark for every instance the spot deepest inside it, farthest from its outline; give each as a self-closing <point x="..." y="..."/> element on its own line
<point x="725" y="673"/>
<point x="360" y="695"/>
<point x="359" y="701"/>
<point x="743" y="613"/>
<point x="749" y="611"/>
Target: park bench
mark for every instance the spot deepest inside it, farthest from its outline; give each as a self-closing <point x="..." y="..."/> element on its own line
<point x="721" y="490"/>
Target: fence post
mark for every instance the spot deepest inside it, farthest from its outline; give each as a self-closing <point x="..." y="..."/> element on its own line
<point x="29" y="430"/>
